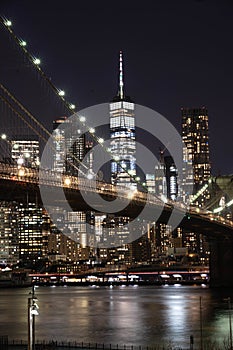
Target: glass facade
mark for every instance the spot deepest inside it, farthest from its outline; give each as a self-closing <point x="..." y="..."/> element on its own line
<point x="122" y="143"/>
<point x="25" y="152"/>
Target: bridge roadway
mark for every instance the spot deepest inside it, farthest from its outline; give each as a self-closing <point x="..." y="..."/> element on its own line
<point x="23" y="185"/>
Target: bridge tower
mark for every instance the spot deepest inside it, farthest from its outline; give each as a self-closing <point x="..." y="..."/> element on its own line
<point x="221" y="261"/>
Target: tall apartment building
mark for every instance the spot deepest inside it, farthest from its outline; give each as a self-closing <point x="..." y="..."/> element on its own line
<point x="195" y="135"/>
<point x="9" y="238"/>
<point x="31" y="234"/>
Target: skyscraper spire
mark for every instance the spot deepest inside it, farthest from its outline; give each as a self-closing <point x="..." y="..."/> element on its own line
<point x="121" y="83"/>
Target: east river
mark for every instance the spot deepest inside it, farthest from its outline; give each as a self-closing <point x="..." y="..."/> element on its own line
<point x="130" y="315"/>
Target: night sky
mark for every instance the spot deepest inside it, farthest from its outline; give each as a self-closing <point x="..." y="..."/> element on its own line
<point x="177" y="53"/>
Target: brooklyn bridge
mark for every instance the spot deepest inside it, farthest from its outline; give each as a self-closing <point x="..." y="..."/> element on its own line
<point x="21" y="183"/>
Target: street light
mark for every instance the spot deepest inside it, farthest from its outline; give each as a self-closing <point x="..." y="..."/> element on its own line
<point x="32" y="312"/>
<point x="201" y="325"/>
<point x="230" y="327"/>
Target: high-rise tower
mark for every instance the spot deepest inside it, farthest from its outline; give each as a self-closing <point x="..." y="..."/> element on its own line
<point x="69" y="145"/>
<point x="195" y="135"/>
<point x="122" y="133"/>
<point x="25" y="151"/>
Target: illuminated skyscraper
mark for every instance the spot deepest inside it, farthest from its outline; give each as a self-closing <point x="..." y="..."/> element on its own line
<point x="195" y="135"/>
<point x="30" y="224"/>
<point x="9" y="237"/>
<point x="171" y="178"/>
<point x="122" y="133"/>
<point x="70" y="148"/>
<point x="25" y="151"/>
<point x="69" y="145"/>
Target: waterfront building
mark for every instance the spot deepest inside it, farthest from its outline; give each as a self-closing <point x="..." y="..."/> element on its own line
<point x="9" y="240"/>
<point x="30" y="224"/>
<point x="61" y="247"/>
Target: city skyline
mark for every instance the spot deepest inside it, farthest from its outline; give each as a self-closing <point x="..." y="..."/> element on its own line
<point x="177" y="70"/>
<point x="141" y="257"/>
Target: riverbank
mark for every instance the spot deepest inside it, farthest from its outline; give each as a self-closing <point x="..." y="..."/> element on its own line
<point x="116" y="283"/>
<point x="55" y="345"/>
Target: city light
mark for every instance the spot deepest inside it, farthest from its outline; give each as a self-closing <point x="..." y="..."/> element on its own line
<point x="33" y="310"/>
<point x="82" y="119"/>
<point x="36" y="61"/>
<point x="21" y="172"/>
<point x="22" y="43"/>
<point x="8" y="23"/>
<point x="20" y="161"/>
<point x="90" y="176"/>
<point x="61" y="93"/>
<point x="67" y="181"/>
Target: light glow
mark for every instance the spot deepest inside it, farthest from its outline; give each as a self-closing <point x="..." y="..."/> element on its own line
<point x="36" y="61"/>
<point x="23" y="43"/>
<point x="67" y="181"/>
<point x="8" y="23"/>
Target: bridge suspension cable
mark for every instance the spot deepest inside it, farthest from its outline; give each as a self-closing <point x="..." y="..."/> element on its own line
<point x="47" y="134"/>
<point x="35" y="62"/>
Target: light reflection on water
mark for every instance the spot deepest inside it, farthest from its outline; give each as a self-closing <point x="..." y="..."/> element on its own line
<point x="121" y="315"/>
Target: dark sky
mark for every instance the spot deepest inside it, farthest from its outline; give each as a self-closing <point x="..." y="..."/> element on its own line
<point x="177" y="53"/>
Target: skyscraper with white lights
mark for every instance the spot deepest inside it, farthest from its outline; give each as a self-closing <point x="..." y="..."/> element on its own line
<point x="122" y="133"/>
<point x="195" y="135"/>
<point x="25" y="151"/>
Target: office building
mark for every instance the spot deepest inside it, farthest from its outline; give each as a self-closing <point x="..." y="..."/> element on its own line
<point x="30" y="226"/>
<point x="69" y="146"/>
<point x="122" y="134"/>
<point x="9" y="238"/>
<point x="171" y="178"/>
<point x="197" y="167"/>
<point x="195" y="135"/>
<point x="25" y="151"/>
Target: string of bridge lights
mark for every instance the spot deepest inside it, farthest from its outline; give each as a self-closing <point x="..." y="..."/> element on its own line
<point x="36" y="62"/>
<point x="70" y="106"/>
<point x="21" y="116"/>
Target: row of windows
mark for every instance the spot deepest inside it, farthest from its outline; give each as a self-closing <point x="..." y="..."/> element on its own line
<point x="121" y="104"/>
<point x="122" y="121"/>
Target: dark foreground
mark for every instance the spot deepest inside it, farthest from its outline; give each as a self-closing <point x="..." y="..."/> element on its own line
<point x="54" y="345"/>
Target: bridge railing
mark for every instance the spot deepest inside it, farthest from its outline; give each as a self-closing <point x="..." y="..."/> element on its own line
<point x="49" y="177"/>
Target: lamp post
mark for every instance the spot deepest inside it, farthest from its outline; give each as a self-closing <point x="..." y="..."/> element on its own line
<point x="230" y="327"/>
<point x="32" y="312"/>
<point x="201" y="326"/>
